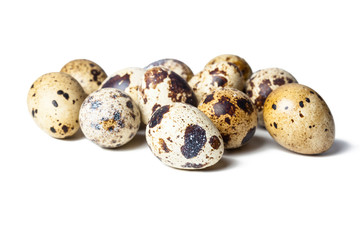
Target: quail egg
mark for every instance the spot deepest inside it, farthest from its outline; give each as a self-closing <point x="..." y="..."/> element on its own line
<point x="181" y="136"/>
<point x="262" y="82"/>
<point x="220" y="74"/>
<point x="159" y="87"/>
<point x="89" y="74"/>
<point x="109" y="117"/>
<point x="54" y="101"/>
<point x="174" y="65"/>
<point x="243" y="66"/>
<point x="127" y="80"/>
<point x="298" y="118"/>
<point x="233" y="114"/>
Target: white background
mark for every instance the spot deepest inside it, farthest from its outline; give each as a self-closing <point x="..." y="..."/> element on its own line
<point x="73" y="189"/>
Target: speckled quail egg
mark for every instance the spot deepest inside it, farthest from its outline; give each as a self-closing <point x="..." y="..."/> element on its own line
<point x="174" y="65"/>
<point x="54" y="101"/>
<point x="109" y="117"/>
<point x="181" y="136"/>
<point x="298" y="118"/>
<point x="262" y="82"/>
<point x="220" y="74"/>
<point x="89" y="74"/>
<point x="127" y="80"/>
<point x="233" y="114"/>
<point x="159" y="87"/>
<point x="243" y="66"/>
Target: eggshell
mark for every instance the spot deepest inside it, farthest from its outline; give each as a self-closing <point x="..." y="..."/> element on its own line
<point x="54" y="102"/>
<point x="262" y="83"/>
<point x="243" y="66"/>
<point x="233" y="114"/>
<point x="220" y="74"/>
<point x="109" y="117"/>
<point x="298" y="118"/>
<point x="127" y="80"/>
<point x="174" y="65"/>
<point x="89" y="74"/>
<point x="160" y="87"/>
<point x="181" y="136"/>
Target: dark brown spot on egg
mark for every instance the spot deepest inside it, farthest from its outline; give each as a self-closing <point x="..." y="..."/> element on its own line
<point x="193" y="165"/>
<point x="224" y="106"/>
<point x="320" y="97"/>
<point x="156" y="106"/>
<point x="214" y="142"/>
<point x="163" y="145"/>
<point x="158" y="116"/>
<point x="154" y="76"/>
<point x="265" y="90"/>
<point x="301" y="115"/>
<point x="245" y="105"/>
<point x="34" y="95"/>
<point x="209" y="98"/>
<point x="65" y="128"/>
<point x="249" y="93"/>
<point x="307" y="100"/>
<point x="52" y="129"/>
<point x="301" y="104"/>
<point x="54" y="103"/>
<point x="194" y="140"/>
<point x="289" y="80"/>
<point x="117" y="81"/>
<point x="129" y="104"/>
<point x="180" y="91"/>
<point x="275" y="125"/>
<point x="218" y="71"/>
<point x="226" y="138"/>
<point x="279" y="81"/>
<point x="60" y="92"/>
<point x="220" y="81"/>
<point x="248" y="135"/>
<point x="227" y="120"/>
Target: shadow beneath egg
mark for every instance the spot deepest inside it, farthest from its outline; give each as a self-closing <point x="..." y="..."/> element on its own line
<point x="252" y="146"/>
<point x="135" y="143"/>
<point x="225" y="163"/>
<point x="77" y="136"/>
<point x="338" y="147"/>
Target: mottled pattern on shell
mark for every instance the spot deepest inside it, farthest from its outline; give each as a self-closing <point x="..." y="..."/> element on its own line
<point x="54" y="101"/>
<point x="220" y="74"/>
<point x="243" y="66"/>
<point x="262" y="83"/>
<point x="298" y="118"/>
<point x="233" y="114"/>
<point x="181" y="136"/>
<point x="160" y="87"/>
<point x="174" y="65"/>
<point x="127" y="80"/>
<point x="109" y="117"/>
<point x="89" y="74"/>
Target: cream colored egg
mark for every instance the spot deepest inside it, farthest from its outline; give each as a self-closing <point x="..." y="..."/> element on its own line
<point x="298" y="118"/>
<point x="233" y="114"/>
<point x="160" y="87"/>
<point x="127" y="80"/>
<point x="243" y="66"/>
<point x="109" y="117"/>
<point x="174" y="65"/>
<point x="220" y="74"/>
<point x="181" y="136"/>
<point x="54" y="102"/>
<point x="89" y="74"/>
<point x="262" y="83"/>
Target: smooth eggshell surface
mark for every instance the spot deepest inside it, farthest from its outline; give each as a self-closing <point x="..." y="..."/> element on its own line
<point x="181" y="136"/>
<point x="160" y="87"/>
<point x="127" y="80"/>
<point x="262" y="83"/>
<point x="109" y="117"/>
<point x="298" y="118"/>
<point x="233" y="114"/>
<point x="54" y="102"/>
<point x="243" y="66"/>
<point x="174" y="65"/>
<point x="220" y="74"/>
<point x="89" y="74"/>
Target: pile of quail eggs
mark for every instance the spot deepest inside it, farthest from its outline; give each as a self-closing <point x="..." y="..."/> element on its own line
<point x="189" y="119"/>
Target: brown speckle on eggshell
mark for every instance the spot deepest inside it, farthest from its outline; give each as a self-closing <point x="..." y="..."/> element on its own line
<point x="174" y="65"/>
